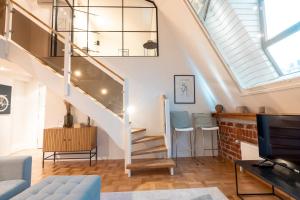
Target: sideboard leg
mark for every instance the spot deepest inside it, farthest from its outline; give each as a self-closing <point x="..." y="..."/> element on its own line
<point x="54" y="157"/>
<point x="96" y="154"/>
<point x="43" y="164"/>
<point x="90" y="157"/>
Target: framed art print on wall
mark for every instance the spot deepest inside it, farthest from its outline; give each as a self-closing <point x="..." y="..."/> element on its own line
<point x="184" y="89"/>
<point x="5" y="99"/>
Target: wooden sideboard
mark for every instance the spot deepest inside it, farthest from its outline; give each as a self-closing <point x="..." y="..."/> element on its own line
<point x="67" y="141"/>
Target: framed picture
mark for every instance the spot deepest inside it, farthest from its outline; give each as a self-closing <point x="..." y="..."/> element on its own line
<point x="184" y="89"/>
<point x="5" y="99"/>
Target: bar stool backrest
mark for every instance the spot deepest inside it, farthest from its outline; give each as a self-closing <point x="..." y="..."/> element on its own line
<point x="180" y="119"/>
<point x="203" y="120"/>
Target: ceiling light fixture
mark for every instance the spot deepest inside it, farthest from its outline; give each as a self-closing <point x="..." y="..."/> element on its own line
<point x="77" y="73"/>
<point x="104" y="91"/>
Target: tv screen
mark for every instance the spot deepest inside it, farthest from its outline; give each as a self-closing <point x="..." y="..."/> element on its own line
<point x="279" y="139"/>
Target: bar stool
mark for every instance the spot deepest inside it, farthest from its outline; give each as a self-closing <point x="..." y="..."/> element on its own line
<point x="207" y="124"/>
<point x="181" y="123"/>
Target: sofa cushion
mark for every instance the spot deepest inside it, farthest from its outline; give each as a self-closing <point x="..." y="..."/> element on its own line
<point x="11" y="188"/>
<point x="63" y="188"/>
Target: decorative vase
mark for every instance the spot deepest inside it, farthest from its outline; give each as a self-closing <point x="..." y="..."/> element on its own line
<point x="68" y="119"/>
<point x="88" y="122"/>
<point x="219" y="108"/>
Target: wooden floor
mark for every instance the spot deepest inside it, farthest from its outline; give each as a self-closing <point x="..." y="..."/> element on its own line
<point x="211" y="172"/>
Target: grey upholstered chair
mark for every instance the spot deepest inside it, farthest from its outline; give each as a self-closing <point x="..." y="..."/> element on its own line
<point x="15" y="175"/>
<point x="181" y="123"/>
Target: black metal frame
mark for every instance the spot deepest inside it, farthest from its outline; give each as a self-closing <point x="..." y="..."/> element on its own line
<point x="87" y="31"/>
<point x="194" y="91"/>
<point x="53" y="157"/>
<point x="240" y="195"/>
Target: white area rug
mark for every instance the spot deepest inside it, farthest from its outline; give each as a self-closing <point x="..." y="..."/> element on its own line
<point x="211" y="193"/>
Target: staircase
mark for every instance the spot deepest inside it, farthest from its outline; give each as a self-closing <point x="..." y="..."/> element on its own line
<point x="85" y="82"/>
<point x="151" y="145"/>
<point x="141" y="144"/>
<point x="67" y="70"/>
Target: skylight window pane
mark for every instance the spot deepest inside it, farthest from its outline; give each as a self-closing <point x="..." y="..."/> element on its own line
<point x="281" y="15"/>
<point x="199" y="6"/>
<point x="287" y="53"/>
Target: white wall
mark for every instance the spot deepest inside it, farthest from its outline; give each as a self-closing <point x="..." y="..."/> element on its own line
<point x="280" y="99"/>
<point x="55" y="111"/>
<point x="19" y="129"/>
<point x="149" y="78"/>
<point x="185" y="50"/>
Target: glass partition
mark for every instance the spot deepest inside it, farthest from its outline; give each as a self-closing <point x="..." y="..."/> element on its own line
<point x="2" y="16"/>
<point x="88" y="74"/>
<point x="96" y="83"/>
<point x="102" y="27"/>
<point x="37" y="41"/>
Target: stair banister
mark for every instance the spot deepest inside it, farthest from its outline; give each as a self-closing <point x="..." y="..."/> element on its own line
<point x="105" y="68"/>
<point x="67" y="64"/>
<point x="127" y="128"/>
<point x="8" y="17"/>
<point x="167" y="124"/>
<point x="69" y="49"/>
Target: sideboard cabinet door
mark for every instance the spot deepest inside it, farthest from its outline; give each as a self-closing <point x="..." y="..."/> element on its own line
<point x="54" y="140"/>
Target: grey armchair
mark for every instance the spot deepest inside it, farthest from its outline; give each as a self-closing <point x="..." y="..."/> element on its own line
<point x="15" y="175"/>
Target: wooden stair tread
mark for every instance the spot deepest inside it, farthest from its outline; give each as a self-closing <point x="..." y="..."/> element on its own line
<point x="152" y="164"/>
<point x="137" y="130"/>
<point x="147" y="139"/>
<point x="156" y="149"/>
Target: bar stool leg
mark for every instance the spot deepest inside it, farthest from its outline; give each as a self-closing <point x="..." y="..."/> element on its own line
<point x="173" y="146"/>
<point x="176" y="148"/>
<point x="203" y="143"/>
<point x="191" y="143"/>
<point x="212" y="144"/>
<point x="195" y="143"/>
<point x="220" y="145"/>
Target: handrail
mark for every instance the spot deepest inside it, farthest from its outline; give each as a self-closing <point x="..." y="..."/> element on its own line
<point x="213" y="45"/>
<point x="56" y="32"/>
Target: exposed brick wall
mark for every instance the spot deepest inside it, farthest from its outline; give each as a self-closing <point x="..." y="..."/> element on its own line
<point x="233" y="132"/>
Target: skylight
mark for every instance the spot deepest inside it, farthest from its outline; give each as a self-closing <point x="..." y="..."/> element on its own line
<point x="281" y="26"/>
<point x="258" y="41"/>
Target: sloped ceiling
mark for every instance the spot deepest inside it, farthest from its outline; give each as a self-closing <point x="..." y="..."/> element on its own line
<point x="200" y="55"/>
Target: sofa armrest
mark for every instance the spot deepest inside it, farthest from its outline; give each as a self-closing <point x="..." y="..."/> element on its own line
<point x="16" y="167"/>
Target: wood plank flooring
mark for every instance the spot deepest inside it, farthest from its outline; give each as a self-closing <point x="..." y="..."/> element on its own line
<point x="188" y="174"/>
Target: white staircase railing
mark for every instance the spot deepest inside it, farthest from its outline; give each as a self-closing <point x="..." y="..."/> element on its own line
<point x="114" y="124"/>
<point x="127" y="128"/>
<point x="167" y="124"/>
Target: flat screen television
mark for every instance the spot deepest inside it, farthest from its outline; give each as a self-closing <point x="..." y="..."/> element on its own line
<point x="279" y="139"/>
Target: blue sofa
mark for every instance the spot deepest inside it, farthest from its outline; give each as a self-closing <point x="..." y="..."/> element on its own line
<point x="15" y="175"/>
<point x="63" y="188"/>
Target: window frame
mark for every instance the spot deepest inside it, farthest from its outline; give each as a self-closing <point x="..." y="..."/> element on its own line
<point x="55" y="6"/>
<point x="267" y="42"/>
